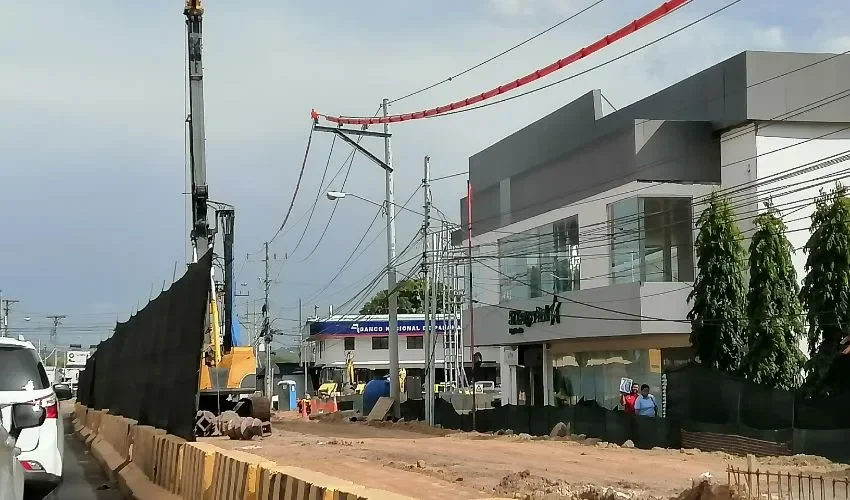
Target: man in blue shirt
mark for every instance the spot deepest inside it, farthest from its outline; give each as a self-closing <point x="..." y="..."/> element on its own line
<point x="645" y="403"/>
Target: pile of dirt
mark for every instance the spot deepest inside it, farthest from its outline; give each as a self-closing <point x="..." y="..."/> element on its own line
<point x="526" y="485"/>
<point x="706" y="489"/>
<point x="796" y="461"/>
<point x="329" y="417"/>
<point x="410" y="426"/>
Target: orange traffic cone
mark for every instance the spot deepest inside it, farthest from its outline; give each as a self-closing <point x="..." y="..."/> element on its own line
<point x="304" y="409"/>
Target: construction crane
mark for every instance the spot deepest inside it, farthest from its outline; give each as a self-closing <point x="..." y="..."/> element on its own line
<point x="228" y="372"/>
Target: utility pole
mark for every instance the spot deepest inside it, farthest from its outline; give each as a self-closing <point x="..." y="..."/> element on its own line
<point x="469" y="294"/>
<point x="303" y="347"/>
<point x="57" y="318"/>
<point x="392" y="298"/>
<point x="316" y="312"/>
<point x="6" y="304"/>
<point x="267" y="333"/>
<point x="426" y="302"/>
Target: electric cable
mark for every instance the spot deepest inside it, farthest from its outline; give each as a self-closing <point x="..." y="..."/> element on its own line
<point x="297" y="186"/>
<point x="500" y="54"/>
<point x="318" y="194"/>
<point x="647" y="19"/>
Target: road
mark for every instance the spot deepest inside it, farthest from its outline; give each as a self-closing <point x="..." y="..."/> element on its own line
<point x="83" y="479"/>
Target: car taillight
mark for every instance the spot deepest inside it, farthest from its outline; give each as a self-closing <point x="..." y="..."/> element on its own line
<point x="32" y="466"/>
<point x="50" y="405"/>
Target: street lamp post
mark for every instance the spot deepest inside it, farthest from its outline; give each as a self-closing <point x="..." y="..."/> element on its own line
<point x="392" y="299"/>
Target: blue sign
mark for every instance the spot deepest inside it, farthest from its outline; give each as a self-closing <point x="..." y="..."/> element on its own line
<point x="373" y="327"/>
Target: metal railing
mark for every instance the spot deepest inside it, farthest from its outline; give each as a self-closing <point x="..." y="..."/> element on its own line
<point x="759" y="484"/>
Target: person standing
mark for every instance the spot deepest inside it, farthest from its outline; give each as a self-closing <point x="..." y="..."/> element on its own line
<point x="628" y="400"/>
<point x="645" y="405"/>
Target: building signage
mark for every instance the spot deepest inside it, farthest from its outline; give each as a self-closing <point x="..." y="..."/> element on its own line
<point x="76" y="358"/>
<point x="373" y="327"/>
<point x="519" y="320"/>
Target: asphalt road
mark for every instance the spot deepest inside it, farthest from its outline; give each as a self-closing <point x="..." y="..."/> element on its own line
<point x="83" y="479"/>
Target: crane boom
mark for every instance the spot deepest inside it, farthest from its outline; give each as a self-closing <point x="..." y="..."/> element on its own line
<point x="200" y="233"/>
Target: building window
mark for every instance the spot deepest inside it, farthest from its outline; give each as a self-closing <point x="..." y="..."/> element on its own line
<point x="349" y="343"/>
<point x="651" y="240"/>
<point x="415" y="342"/>
<point x="541" y="261"/>
<point x="380" y="343"/>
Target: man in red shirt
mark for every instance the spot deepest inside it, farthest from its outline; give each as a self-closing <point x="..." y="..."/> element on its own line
<point x="628" y="400"/>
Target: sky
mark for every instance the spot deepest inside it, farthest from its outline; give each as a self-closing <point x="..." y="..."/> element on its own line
<point x="92" y="138"/>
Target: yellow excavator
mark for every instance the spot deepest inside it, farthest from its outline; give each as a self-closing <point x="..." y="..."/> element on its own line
<point x="227" y="389"/>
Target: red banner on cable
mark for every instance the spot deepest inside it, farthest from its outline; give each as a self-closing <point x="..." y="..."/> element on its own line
<point x="637" y="24"/>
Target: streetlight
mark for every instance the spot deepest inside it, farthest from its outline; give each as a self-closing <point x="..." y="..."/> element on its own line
<point x="392" y="296"/>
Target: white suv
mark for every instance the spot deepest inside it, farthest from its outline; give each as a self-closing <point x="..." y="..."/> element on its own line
<point x="23" y="379"/>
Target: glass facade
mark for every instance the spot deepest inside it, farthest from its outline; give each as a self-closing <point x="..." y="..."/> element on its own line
<point x="540" y="261"/>
<point x="651" y="240"/>
<point x="595" y="376"/>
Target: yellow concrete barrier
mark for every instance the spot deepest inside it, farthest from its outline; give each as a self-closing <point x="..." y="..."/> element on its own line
<point x="295" y="483"/>
<point x="168" y="460"/>
<point x="197" y="472"/>
<point x="111" y="446"/>
<point x="143" y="454"/>
<point x="93" y="418"/>
<point x="236" y="475"/>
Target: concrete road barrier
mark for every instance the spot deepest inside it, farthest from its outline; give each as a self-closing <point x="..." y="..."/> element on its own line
<point x="111" y="445"/>
<point x="197" y="472"/>
<point x="149" y="464"/>
<point x="168" y="460"/>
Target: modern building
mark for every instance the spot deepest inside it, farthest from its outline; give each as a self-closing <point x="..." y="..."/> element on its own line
<point x="584" y="223"/>
<point x="365" y="338"/>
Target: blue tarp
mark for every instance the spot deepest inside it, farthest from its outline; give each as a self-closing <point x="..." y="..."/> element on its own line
<point x="238" y="338"/>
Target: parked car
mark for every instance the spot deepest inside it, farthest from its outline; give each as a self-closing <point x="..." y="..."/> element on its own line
<point x="23" y="379"/>
<point x="22" y="416"/>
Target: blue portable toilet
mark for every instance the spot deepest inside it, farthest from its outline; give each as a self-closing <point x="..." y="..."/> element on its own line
<point x="288" y="399"/>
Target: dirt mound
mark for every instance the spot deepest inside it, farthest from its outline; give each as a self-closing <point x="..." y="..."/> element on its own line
<point x="410" y="426"/>
<point x="706" y="489"/>
<point x="796" y="461"/>
<point x="527" y="485"/>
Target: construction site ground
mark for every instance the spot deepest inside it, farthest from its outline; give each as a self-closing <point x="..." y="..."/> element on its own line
<point x="412" y="459"/>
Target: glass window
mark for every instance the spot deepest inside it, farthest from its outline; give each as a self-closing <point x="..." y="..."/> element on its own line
<point x="380" y="343"/>
<point x="415" y="342"/>
<point x="21" y="370"/>
<point x="349" y="343"/>
<point x="596" y="376"/>
<point x="651" y="240"/>
<point x="540" y="261"/>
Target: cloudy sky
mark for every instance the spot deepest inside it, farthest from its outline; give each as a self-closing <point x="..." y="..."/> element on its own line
<point x="92" y="108"/>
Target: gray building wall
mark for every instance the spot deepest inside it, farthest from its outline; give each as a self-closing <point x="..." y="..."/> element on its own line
<point x="672" y="136"/>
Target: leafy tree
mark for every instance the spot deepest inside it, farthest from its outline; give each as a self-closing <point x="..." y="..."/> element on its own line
<point x="826" y="293"/>
<point x="773" y="308"/>
<point x="410" y="299"/>
<point x="719" y="295"/>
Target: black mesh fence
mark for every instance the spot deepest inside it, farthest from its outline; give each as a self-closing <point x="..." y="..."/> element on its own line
<point x="148" y="369"/>
<point x="698" y="399"/>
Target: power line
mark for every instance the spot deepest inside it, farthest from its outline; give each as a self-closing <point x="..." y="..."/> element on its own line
<point x="593" y="68"/>
<point x="297" y="186"/>
<point x="500" y="54"/>
<point x="627" y="30"/>
<point x="318" y="194"/>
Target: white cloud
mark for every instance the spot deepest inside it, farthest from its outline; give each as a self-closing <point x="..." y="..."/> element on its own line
<point x="838" y="44"/>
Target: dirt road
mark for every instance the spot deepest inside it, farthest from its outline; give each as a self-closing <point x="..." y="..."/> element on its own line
<point x="432" y="464"/>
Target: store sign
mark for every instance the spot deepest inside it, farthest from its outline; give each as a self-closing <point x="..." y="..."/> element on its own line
<point x="374" y="327"/>
<point x="76" y="358"/>
<point x="519" y="320"/>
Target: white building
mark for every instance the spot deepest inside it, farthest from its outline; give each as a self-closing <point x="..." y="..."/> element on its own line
<point x="366" y="339"/>
<point x="594" y="215"/>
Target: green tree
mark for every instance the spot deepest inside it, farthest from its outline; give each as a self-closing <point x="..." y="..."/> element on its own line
<point x="775" y="322"/>
<point x="719" y="296"/>
<point x="410" y="299"/>
<point x="826" y="293"/>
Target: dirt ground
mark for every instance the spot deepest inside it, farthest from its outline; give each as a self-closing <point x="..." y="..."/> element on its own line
<point x="417" y="461"/>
